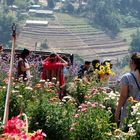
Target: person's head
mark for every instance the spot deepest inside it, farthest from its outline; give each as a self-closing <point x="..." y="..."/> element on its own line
<point x="135" y="61"/>
<point x="95" y="62"/>
<point x="52" y="57"/>
<point x="107" y="61"/>
<point x="25" y="53"/>
<point x="87" y="64"/>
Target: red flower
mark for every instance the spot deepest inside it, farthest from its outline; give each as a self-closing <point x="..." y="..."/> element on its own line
<point x="38" y="135"/>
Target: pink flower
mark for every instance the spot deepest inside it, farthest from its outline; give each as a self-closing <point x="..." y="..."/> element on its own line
<point x="84" y="105"/>
<point x="15" y="127"/>
<point x="94" y="91"/>
<point x="83" y="109"/>
<point x="51" y="85"/>
<point x="86" y="97"/>
<point x="93" y="105"/>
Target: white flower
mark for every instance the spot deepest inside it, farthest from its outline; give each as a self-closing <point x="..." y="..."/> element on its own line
<point x="4" y="87"/>
<point x="14" y="91"/>
<point x="20" y="96"/>
<point x="138" y="121"/>
<point x="67" y="97"/>
<point x="138" y="113"/>
<point x="80" y="107"/>
<point x="29" y="88"/>
<point x="112" y="97"/>
<point x="129" y="125"/>
<point x="16" y="87"/>
<point x="42" y="81"/>
<point x="132" y="113"/>
<point x="137" y="118"/>
<point x="132" y="131"/>
<point x="88" y="103"/>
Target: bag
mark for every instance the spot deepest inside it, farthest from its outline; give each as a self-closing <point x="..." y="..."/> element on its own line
<point x="135" y="80"/>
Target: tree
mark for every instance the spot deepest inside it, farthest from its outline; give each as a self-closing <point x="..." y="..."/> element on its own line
<point x="22" y="4"/>
<point x="51" y="3"/>
<point x="104" y="13"/>
<point x="6" y="21"/>
<point x="135" y="44"/>
<point x="68" y="7"/>
<point x="9" y="2"/>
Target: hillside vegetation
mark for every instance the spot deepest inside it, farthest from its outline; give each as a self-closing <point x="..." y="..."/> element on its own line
<point x="90" y="28"/>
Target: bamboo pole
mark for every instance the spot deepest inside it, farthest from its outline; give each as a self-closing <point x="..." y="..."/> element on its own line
<point x="6" y="110"/>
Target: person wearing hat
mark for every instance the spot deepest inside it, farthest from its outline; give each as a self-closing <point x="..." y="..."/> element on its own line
<point x="23" y="68"/>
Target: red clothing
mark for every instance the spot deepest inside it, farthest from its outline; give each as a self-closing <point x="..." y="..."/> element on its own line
<point x="54" y="69"/>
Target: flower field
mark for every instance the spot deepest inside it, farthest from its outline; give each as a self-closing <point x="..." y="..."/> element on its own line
<point x="85" y="113"/>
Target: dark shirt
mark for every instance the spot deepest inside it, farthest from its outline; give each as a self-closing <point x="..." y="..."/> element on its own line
<point x="82" y="71"/>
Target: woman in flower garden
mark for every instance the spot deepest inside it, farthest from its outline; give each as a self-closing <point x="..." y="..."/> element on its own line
<point x="23" y="68"/>
<point x="130" y="87"/>
<point x="53" y="67"/>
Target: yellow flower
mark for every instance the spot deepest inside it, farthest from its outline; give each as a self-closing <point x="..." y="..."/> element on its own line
<point x="101" y="72"/>
<point x="130" y="99"/>
<point x="102" y="67"/>
<point x="97" y="65"/>
<point x="107" y="64"/>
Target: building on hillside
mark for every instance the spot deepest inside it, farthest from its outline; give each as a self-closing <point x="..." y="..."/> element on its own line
<point x="35" y="7"/>
<point x="36" y="23"/>
<point x="41" y="13"/>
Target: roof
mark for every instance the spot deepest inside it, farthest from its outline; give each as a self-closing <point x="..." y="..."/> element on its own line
<point x="36" y="22"/>
<point x="35" y="6"/>
<point x="47" y="12"/>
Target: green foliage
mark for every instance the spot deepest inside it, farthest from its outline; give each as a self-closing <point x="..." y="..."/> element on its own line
<point x="22" y="4"/>
<point x="92" y="126"/>
<point x="59" y="120"/>
<point x="51" y="3"/>
<point x="130" y="21"/>
<point x="68" y="7"/>
<point x="6" y="21"/>
<point x="135" y="44"/>
<point x="9" y="2"/>
<point x="104" y="14"/>
<point x="123" y="62"/>
<point x="2" y="101"/>
<point x="79" y="92"/>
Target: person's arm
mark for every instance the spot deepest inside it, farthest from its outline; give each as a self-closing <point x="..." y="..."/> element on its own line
<point x="80" y="72"/>
<point x="45" y="60"/>
<point x="62" y="60"/>
<point x="121" y="102"/>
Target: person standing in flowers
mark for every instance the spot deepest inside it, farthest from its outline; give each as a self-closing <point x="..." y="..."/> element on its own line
<point x="23" y="67"/>
<point x="84" y="69"/>
<point x="130" y="87"/>
<point x="53" y="67"/>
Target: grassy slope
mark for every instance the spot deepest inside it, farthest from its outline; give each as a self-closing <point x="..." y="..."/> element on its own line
<point x="127" y="32"/>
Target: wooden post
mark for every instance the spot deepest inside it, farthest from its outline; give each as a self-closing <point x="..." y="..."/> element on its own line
<point x="6" y="110"/>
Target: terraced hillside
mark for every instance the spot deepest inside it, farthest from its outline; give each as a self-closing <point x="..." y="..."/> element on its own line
<point x="73" y="35"/>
